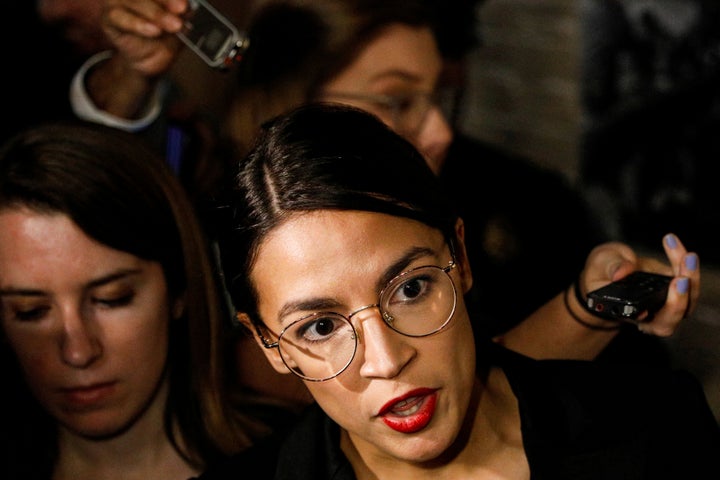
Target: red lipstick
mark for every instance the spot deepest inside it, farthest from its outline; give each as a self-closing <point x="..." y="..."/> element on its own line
<point x="411" y="412"/>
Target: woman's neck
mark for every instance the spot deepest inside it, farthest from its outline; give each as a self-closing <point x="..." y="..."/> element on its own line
<point x="141" y="451"/>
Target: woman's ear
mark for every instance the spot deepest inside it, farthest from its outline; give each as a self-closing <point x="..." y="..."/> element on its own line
<point x="271" y="354"/>
<point x="461" y="256"/>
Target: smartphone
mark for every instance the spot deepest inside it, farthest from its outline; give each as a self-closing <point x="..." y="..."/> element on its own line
<point x="627" y="298"/>
<point x="212" y="36"/>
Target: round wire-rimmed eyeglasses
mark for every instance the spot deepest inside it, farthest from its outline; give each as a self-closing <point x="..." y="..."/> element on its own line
<point x="416" y="303"/>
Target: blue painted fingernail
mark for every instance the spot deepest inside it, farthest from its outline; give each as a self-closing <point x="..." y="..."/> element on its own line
<point x="691" y="262"/>
<point x="682" y="285"/>
<point x="671" y="240"/>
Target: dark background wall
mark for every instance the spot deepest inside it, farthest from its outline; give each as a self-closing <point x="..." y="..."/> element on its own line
<point x="640" y="79"/>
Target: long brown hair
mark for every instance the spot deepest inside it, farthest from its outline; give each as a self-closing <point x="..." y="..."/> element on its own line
<point x="121" y="195"/>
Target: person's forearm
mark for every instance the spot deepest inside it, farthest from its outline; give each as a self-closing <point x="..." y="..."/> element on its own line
<point x="119" y="91"/>
<point x="552" y="332"/>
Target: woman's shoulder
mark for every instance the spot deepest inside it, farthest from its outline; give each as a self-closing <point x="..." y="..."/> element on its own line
<point x="310" y="450"/>
<point x="612" y="383"/>
<point x="659" y="414"/>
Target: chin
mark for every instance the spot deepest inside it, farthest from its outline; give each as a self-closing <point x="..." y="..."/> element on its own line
<point x="429" y="448"/>
<point x="424" y="454"/>
<point x="97" y="425"/>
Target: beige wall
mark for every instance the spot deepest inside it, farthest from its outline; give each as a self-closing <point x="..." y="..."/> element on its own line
<point x="524" y="97"/>
<point x="523" y="80"/>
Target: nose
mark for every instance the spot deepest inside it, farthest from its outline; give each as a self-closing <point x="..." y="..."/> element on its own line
<point x="434" y="138"/>
<point x="80" y="344"/>
<point x="385" y="353"/>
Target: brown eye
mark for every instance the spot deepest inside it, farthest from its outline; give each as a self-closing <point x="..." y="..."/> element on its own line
<point x="115" y="302"/>
<point x="404" y="104"/>
<point x="31" y="314"/>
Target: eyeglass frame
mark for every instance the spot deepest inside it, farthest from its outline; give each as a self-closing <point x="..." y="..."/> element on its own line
<point x="452" y="264"/>
<point x="392" y="102"/>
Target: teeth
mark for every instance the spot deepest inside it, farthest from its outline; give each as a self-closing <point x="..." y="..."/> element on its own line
<point x="402" y="409"/>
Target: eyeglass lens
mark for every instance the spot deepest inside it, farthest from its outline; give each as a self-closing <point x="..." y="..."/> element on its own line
<point x="416" y="303"/>
<point x="410" y="112"/>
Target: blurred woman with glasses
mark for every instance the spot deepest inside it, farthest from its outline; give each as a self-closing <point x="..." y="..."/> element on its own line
<point x="384" y="56"/>
<point x="348" y="263"/>
<point x="380" y="56"/>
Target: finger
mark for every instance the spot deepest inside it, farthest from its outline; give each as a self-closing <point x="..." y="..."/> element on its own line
<point x="684" y="264"/>
<point x="668" y="318"/>
<point x="178" y="7"/>
<point x="675" y="251"/>
<point x="691" y="270"/>
<point x="607" y="262"/>
<point x="652" y="264"/>
<point x="141" y="17"/>
<point x="118" y="20"/>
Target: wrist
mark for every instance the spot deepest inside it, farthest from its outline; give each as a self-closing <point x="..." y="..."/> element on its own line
<point x="87" y="107"/>
<point x="120" y="90"/>
<point x="583" y="315"/>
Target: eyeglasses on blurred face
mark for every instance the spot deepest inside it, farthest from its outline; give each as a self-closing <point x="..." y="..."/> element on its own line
<point x="406" y="113"/>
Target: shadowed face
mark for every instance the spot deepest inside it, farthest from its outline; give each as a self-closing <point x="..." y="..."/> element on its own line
<point x="401" y="69"/>
<point x="88" y="324"/>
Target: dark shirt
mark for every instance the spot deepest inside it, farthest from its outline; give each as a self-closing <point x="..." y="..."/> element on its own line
<point x="580" y="420"/>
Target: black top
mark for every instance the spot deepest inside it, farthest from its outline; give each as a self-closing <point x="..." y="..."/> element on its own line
<point x="580" y="420"/>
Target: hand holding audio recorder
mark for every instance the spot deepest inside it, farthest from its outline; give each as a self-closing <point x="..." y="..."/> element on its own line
<point x="627" y="298"/>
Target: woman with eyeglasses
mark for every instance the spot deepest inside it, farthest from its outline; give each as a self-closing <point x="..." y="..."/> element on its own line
<point x="348" y="263"/>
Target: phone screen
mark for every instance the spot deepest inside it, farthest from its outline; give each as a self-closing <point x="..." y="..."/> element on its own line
<point x="211" y="35"/>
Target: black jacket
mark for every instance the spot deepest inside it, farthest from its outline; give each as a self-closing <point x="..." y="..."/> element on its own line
<point x="580" y="421"/>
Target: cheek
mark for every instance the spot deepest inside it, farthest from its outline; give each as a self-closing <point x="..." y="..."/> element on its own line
<point x="462" y="339"/>
<point x="461" y="350"/>
<point x="38" y="356"/>
<point x="386" y="117"/>
<point x="139" y="339"/>
<point x="150" y="347"/>
<point x="334" y="399"/>
<point x="456" y="347"/>
<point x="143" y="363"/>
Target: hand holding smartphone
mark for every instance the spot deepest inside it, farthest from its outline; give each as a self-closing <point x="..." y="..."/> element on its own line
<point x="627" y="298"/>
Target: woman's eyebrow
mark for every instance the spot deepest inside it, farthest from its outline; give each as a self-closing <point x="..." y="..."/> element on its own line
<point x="113" y="276"/>
<point x="21" y="292"/>
<point x="316" y="304"/>
<point x="401" y="264"/>
<point x="105" y="279"/>
<point x="319" y="304"/>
